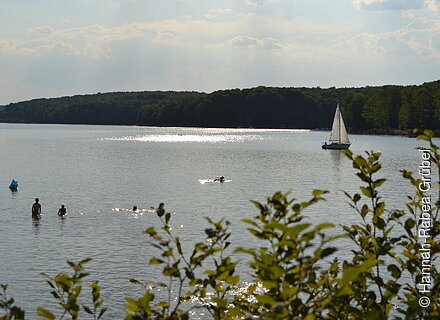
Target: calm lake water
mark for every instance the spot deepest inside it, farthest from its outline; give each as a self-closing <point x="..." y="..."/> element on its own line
<point x="100" y="172"/>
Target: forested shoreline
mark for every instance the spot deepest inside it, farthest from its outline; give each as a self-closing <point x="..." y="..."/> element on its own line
<point x="378" y="110"/>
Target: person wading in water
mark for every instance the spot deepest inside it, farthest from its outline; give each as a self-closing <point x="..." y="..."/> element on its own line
<point x="62" y="211"/>
<point x="36" y="209"/>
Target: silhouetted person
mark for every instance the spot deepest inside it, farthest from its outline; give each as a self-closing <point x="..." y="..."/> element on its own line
<point x="36" y="209"/>
<point x="62" y="211"/>
<point x="135" y="208"/>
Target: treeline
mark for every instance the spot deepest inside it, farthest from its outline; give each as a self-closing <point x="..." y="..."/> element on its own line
<point x="378" y="109"/>
<point x="115" y="108"/>
<point x="394" y="107"/>
<point x="384" y="109"/>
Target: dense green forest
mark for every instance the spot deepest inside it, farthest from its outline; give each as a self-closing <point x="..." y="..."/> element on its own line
<point x="117" y="108"/>
<point x="385" y="109"/>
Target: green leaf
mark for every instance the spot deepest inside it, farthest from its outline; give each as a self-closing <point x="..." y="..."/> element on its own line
<point x="103" y="310"/>
<point x="160" y="211"/>
<point x="162" y="304"/>
<point x="324" y="226"/>
<point x="360" y="162"/>
<point x="364" y="210"/>
<point x="327" y="251"/>
<point x="151" y="231"/>
<point x="345" y="291"/>
<point x="87" y="309"/>
<point x="221" y="303"/>
<point x="179" y="246"/>
<point x="378" y="183"/>
<point x="366" y="192"/>
<point x="317" y="193"/>
<point x="409" y="224"/>
<point x="155" y="261"/>
<point x="376" y="167"/>
<point x="348" y="153"/>
<point x="351" y="273"/>
<point x="251" y="222"/>
<point x="380" y="223"/>
<point x="294" y="231"/>
<point x="46" y="314"/>
<point x="233" y="279"/>
<point x="395" y="271"/>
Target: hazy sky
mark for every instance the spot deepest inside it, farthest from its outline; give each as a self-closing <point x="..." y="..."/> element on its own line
<point x="52" y="48"/>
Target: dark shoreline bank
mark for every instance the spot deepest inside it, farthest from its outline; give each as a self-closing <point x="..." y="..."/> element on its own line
<point x="373" y="131"/>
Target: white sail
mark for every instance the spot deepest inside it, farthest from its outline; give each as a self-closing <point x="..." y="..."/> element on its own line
<point x="336" y="127"/>
<point x="339" y="133"/>
<point x="343" y="132"/>
<point x="338" y="136"/>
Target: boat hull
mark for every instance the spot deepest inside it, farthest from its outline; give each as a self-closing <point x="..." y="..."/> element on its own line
<point x="336" y="146"/>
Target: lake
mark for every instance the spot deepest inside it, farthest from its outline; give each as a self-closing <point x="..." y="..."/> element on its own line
<point x="100" y="172"/>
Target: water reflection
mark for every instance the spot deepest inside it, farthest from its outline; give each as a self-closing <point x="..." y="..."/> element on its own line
<point x="36" y="223"/>
<point x="134" y="212"/>
<point x="62" y="219"/>
<point x="336" y="157"/>
<point x="173" y="138"/>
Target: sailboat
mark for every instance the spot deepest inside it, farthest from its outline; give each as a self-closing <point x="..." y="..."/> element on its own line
<point x="338" y="136"/>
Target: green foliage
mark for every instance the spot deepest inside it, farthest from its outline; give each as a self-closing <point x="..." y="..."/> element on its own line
<point x="378" y="109"/>
<point x="66" y="289"/>
<point x="103" y="108"/>
<point x="352" y="108"/>
<point x="385" y="109"/>
<point x="185" y="274"/>
<point x="391" y="237"/>
<point x="7" y="304"/>
<point x="373" y="241"/>
<point x="286" y="264"/>
<point x="294" y="272"/>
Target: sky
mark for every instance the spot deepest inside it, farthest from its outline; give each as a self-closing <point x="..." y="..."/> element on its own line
<point x="52" y="48"/>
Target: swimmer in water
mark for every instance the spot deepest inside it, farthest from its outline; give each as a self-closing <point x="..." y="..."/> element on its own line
<point x="62" y="211"/>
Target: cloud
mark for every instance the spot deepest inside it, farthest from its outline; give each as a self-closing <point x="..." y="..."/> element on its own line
<point x="420" y="38"/>
<point x="94" y="41"/>
<point x="297" y="37"/>
<point x="221" y="48"/>
<point x="388" y="5"/>
<point x="423" y="37"/>
<point x="433" y="5"/>
<point x="251" y="42"/>
<point x="256" y="3"/>
<point x="243" y="30"/>
<point x="42" y="30"/>
<point x="214" y="13"/>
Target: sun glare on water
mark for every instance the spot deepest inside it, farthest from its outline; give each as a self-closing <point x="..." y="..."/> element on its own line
<point x="201" y="135"/>
<point x="173" y="138"/>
